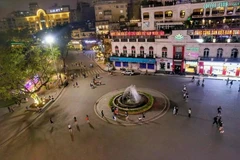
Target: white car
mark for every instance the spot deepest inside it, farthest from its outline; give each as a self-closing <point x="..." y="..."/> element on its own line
<point x="128" y="72"/>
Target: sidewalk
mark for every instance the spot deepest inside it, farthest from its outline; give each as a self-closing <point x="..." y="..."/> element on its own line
<point x="13" y="124"/>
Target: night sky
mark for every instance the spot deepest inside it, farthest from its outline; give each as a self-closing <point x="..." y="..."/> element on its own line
<point x="7" y="6"/>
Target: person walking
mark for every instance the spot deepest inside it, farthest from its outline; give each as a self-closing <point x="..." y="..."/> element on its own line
<point x="77" y="84"/>
<point x="143" y="115"/>
<point x="219" y="110"/>
<point x="70" y="128"/>
<point x="126" y="114"/>
<point x="75" y="120"/>
<point x="231" y="83"/>
<point x="87" y="119"/>
<point x="227" y="81"/>
<point x="176" y="110"/>
<point x="114" y="118"/>
<point x="189" y="112"/>
<point x="215" y="120"/>
<point x="51" y="121"/>
<point x="102" y="113"/>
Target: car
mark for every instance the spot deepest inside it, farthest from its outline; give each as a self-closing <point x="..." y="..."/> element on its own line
<point x="128" y="72"/>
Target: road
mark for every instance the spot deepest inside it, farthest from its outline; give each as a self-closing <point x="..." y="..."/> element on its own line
<point x="168" y="138"/>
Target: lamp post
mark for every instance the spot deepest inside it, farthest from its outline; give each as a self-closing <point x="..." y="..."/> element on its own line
<point x="50" y="40"/>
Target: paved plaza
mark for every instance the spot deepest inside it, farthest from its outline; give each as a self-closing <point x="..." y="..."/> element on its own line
<point x="168" y="137"/>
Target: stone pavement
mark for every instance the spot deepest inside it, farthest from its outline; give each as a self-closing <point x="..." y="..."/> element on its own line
<point x="13" y="124"/>
<point x="160" y="107"/>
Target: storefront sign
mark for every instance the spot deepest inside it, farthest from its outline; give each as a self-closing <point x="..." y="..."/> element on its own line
<point x="179" y="37"/>
<point x="194" y="49"/>
<point x="217" y="32"/>
<point x="136" y="60"/>
<point x="220" y="4"/>
<point x="139" y="33"/>
<point x="194" y="55"/>
<point x="56" y="10"/>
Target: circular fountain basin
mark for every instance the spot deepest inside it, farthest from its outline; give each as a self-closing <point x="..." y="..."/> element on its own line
<point x="131" y="106"/>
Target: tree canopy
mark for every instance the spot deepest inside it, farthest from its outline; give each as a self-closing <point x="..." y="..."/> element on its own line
<point x="19" y="66"/>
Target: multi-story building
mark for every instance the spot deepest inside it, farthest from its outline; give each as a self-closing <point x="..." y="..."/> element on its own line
<point x="108" y="14"/>
<point x="209" y="44"/>
<point x="39" y="20"/>
<point x="33" y="7"/>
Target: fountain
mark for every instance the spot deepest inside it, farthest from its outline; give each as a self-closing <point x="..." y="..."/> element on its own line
<point x="131" y="100"/>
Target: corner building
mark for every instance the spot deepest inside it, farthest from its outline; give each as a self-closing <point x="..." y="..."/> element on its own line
<point x="205" y="47"/>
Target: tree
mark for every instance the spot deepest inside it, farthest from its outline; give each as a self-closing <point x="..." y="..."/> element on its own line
<point x="19" y="66"/>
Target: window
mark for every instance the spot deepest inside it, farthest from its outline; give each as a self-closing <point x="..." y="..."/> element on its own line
<point x="116" y="6"/>
<point x="99" y="8"/>
<point x="206" y="52"/>
<point x="229" y="10"/>
<point x="133" y="50"/>
<point x="182" y="14"/>
<point x="125" y="64"/>
<point x="164" y="52"/>
<point x="162" y="65"/>
<point x="234" y="53"/>
<point x="121" y="11"/>
<point x="142" y="65"/>
<point x="141" y="51"/>
<point x="99" y="12"/>
<point x="158" y="15"/>
<point x="150" y="66"/>
<point x="219" y="52"/>
<point x="146" y="16"/>
<point x="118" y="64"/>
<point x="116" y="49"/>
<point x="198" y="12"/>
<point x="124" y="50"/>
<point x="168" y="14"/>
<point x="218" y="11"/>
<point x="151" y="51"/>
<point x="168" y="65"/>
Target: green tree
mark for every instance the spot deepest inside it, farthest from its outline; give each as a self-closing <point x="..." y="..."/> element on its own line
<point x="17" y="66"/>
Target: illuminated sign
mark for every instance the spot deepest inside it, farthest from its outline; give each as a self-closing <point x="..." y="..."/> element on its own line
<point x="179" y="37"/>
<point x="56" y="10"/>
<point x="138" y="33"/>
<point x="217" y="32"/>
<point x="196" y="49"/>
<point x="220" y="4"/>
<point x="90" y="41"/>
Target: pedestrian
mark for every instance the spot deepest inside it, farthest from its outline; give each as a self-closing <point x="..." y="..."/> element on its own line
<point x="227" y="81"/>
<point x="126" y="114"/>
<point x="239" y="88"/>
<point x="49" y="97"/>
<point x="77" y="84"/>
<point x="75" y="120"/>
<point x="12" y="110"/>
<point x="51" y="121"/>
<point x="221" y="127"/>
<point x="87" y="119"/>
<point x="219" y="110"/>
<point x="73" y="85"/>
<point x="52" y="98"/>
<point x="184" y="95"/>
<point x="139" y="118"/>
<point x="114" y="118"/>
<point x="27" y="108"/>
<point x="219" y="121"/>
<point x="70" y="128"/>
<point x="9" y="110"/>
<point x="215" y="120"/>
<point x="102" y="113"/>
<point x="174" y="110"/>
<point x="143" y="115"/>
<point x="189" y="112"/>
<point x="231" y="83"/>
<point x="186" y="98"/>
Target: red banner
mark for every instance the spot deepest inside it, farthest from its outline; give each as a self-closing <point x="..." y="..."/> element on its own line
<point x="138" y="33"/>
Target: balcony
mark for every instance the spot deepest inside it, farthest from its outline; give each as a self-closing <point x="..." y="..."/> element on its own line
<point x="178" y="57"/>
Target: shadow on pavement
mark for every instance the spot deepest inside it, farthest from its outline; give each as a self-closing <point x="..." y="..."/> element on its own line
<point x="91" y="126"/>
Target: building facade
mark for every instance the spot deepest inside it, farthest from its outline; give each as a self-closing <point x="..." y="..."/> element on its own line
<point x="39" y="20"/>
<point x="200" y="13"/>
<point x="179" y="52"/>
<point x="108" y="14"/>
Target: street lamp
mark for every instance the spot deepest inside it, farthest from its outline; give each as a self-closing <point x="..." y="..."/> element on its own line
<point x="50" y="40"/>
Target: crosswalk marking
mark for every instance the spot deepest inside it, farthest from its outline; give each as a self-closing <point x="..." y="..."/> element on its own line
<point x="94" y="71"/>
